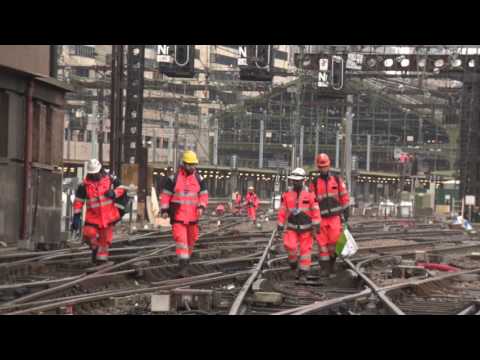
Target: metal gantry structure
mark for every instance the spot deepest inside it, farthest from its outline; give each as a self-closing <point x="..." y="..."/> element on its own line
<point x="388" y="108"/>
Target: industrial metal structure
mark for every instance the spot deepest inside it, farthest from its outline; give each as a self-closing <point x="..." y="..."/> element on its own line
<point x="32" y="117"/>
<point x="415" y="100"/>
<point x="400" y="125"/>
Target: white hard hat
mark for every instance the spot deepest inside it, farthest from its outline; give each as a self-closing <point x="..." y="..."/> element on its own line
<point x="93" y="166"/>
<point x="297" y="174"/>
<point x="251" y="188"/>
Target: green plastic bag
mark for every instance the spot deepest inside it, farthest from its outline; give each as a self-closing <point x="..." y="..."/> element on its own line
<point x="346" y="245"/>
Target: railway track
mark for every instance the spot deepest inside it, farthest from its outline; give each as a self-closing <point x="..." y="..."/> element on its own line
<point x="153" y="270"/>
<point x="239" y="272"/>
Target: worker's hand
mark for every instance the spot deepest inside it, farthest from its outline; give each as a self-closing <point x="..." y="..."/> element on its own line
<point x="200" y="212"/>
<point x="76" y="222"/>
<point x="316" y="229"/>
<point x="110" y="194"/>
<point x="280" y="229"/>
<point x="165" y="215"/>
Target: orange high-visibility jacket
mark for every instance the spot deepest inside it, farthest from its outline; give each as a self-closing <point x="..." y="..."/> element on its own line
<point x="251" y="200"/>
<point x="299" y="212"/>
<point x="331" y="193"/>
<point x="101" y="210"/>
<point x="238" y="200"/>
<point x="182" y="195"/>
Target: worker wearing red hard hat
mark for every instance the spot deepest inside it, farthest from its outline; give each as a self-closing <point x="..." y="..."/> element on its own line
<point x="300" y="214"/>
<point x="333" y="199"/>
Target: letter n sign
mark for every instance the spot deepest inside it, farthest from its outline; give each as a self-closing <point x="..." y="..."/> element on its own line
<point x="163" y="54"/>
<point x="323" y="72"/>
<point x="242" y="60"/>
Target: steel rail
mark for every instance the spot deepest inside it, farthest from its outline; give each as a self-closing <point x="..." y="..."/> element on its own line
<point x="320" y="305"/>
<point x="246" y="287"/>
<point x="83" y="277"/>
<point x="101" y="296"/>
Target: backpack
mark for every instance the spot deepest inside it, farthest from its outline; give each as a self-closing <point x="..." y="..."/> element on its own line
<point x="315" y="180"/>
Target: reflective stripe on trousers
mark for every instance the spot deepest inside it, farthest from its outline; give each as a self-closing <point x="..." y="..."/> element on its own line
<point x="332" y="249"/>
<point x="292" y="240"/>
<point x="305" y="262"/>
<point x="299" y="227"/>
<point x="185" y="236"/>
<point x="292" y="257"/>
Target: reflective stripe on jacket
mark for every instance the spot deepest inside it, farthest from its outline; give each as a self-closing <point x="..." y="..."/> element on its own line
<point x="187" y="196"/>
<point x="299" y="212"/>
<point x="101" y="210"/>
<point x="332" y="196"/>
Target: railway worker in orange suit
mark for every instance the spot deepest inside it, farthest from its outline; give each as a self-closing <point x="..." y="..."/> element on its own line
<point x="220" y="210"/>
<point x="251" y="200"/>
<point x="98" y="191"/>
<point x="237" y="204"/>
<point x="332" y="197"/>
<point x="184" y="198"/>
<point x="299" y="216"/>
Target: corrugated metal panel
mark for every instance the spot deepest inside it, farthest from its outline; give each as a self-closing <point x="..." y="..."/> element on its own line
<point x="16" y="126"/>
<point x="39" y="133"/>
<point x="55" y="120"/>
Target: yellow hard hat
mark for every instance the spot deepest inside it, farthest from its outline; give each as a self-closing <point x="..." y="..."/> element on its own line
<point x="189" y="157"/>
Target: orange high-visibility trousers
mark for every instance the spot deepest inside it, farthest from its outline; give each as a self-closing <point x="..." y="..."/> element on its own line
<point x="185" y="236"/>
<point x="100" y="239"/>
<point x="330" y="230"/>
<point x="292" y="240"/>
<point x="252" y="213"/>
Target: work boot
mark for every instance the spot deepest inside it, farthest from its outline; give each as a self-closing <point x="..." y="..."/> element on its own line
<point x="302" y="275"/>
<point x="183" y="267"/>
<point x="333" y="267"/>
<point x="325" y="268"/>
<point x="102" y="254"/>
<point x="94" y="255"/>
<point x="293" y="266"/>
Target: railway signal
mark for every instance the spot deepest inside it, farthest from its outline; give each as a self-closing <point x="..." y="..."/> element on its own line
<point x="256" y="62"/>
<point x="176" y="60"/>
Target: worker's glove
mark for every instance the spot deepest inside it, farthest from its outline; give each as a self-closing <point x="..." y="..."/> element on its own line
<point x="77" y="220"/>
<point x="110" y="194"/>
<point x="345" y="215"/>
<point x="200" y="211"/>
<point x="165" y="214"/>
<point x="316" y="228"/>
<point x="280" y="229"/>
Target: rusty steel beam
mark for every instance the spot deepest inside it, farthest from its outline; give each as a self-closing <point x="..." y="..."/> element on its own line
<point x="27" y="162"/>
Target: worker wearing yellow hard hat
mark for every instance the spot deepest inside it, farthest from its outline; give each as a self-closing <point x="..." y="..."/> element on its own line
<point x="190" y="158"/>
<point x="184" y="198"/>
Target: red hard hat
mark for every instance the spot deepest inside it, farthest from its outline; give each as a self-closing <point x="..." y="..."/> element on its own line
<point x="322" y="160"/>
